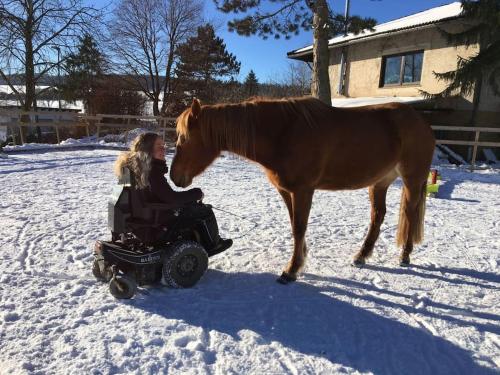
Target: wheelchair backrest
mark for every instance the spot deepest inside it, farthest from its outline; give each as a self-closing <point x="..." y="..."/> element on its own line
<point x="126" y="203"/>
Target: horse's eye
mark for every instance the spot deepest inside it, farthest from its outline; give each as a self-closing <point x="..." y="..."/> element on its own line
<point x="181" y="139"/>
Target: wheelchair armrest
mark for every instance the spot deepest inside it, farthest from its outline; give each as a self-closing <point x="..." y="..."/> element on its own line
<point x="161" y="207"/>
<point x="164" y="206"/>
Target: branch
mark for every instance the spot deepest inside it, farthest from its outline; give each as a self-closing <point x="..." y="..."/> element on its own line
<point x="57" y="33"/>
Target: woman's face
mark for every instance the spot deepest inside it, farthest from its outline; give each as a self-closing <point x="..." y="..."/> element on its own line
<point x="159" y="149"/>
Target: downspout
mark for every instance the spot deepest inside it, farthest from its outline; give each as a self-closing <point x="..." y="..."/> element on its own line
<point x="343" y="57"/>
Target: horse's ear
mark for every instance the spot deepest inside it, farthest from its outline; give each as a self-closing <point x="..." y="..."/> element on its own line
<point x="195" y="107"/>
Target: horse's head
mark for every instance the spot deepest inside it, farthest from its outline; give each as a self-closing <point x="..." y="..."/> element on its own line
<point x="192" y="153"/>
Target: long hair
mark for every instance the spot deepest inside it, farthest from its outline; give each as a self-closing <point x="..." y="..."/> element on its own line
<point x="138" y="159"/>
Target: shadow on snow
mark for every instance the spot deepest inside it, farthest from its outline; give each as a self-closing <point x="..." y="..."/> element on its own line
<point x="310" y="320"/>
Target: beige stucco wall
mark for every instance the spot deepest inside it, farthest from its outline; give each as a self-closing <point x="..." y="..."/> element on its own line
<point x="365" y="64"/>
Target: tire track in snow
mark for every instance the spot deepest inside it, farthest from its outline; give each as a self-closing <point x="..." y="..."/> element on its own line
<point x="21" y="244"/>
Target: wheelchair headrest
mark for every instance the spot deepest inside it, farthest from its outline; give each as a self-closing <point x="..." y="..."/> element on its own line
<point x="124" y="179"/>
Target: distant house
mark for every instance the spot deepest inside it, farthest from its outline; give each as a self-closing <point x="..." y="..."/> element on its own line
<point x="396" y="60"/>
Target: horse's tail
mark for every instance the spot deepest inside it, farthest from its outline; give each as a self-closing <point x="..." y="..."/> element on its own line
<point x="404" y="224"/>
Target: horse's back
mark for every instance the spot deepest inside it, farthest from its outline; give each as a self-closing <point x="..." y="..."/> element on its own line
<point x="355" y="147"/>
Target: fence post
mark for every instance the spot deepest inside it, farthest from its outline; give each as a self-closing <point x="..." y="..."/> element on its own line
<point x="13" y="133"/>
<point x="474" y="151"/>
<point x="163" y="125"/>
<point x="56" y="125"/>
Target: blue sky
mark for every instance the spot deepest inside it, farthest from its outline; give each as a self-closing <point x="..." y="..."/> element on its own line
<point x="268" y="57"/>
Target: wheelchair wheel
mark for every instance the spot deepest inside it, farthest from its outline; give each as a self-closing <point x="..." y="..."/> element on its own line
<point x="184" y="264"/>
<point x="122" y="287"/>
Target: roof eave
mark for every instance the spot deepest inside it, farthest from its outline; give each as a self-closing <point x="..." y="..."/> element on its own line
<point x="307" y="55"/>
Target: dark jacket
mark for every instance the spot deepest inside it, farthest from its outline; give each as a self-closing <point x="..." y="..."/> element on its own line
<point x="160" y="190"/>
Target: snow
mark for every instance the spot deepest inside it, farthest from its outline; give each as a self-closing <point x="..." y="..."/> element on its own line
<point x="371" y="100"/>
<point x="426" y="17"/>
<point x="440" y="316"/>
<point x="110" y="141"/>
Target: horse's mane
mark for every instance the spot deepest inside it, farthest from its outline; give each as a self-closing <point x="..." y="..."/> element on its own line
<point x="233" y="124"/>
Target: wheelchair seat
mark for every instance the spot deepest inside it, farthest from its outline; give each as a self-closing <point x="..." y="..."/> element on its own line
<point x="130" y="211"/>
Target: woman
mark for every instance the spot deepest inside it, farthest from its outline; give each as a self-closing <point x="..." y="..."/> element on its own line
<point x="146" y="162"/>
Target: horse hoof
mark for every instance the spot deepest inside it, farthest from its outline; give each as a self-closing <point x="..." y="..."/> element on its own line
<point x="404" y="262"/>
<point x="286" y="278"/>
<point x="358" y="262"/>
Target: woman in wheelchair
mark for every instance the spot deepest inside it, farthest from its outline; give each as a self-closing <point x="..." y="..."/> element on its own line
<point x="147" y="165"/>
<point x="157" y="233"/>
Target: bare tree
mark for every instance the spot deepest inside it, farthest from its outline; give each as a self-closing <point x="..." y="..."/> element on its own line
<point x="295" y="80"/>
<point x="181" y="19"/>
<point x="298" y="77"/>
<point x="144" y="35"/>
<point x="30" y="32"/>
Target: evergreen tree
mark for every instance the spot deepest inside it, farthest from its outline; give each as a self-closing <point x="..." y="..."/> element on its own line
<point x="203" y="59"/>
<point x="286" y="18"/>
<point x="84" y="73"/>
<point x="251" y="84"/>
<point x="484" y="16"/>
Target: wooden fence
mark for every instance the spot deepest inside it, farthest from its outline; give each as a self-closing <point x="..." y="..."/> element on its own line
<point x="17" y="121"/>
<point x="475" y="143"/>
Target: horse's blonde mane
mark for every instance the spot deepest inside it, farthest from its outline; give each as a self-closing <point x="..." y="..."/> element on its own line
<point x="232" y="125"/>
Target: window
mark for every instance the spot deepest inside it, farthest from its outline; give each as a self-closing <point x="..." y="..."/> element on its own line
<point x="401" y="69"/>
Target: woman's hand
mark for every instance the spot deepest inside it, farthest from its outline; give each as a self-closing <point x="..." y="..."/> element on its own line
<point x="199" y="193"/>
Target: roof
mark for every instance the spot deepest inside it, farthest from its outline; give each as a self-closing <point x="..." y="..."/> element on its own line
<point x="427" y="17"/>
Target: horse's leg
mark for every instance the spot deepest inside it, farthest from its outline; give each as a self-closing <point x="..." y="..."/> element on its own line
<point x="287" y="197"/>
<point x="301" y="204"/>
<point x="377" y="195"/>
<point x="411" y="221"/>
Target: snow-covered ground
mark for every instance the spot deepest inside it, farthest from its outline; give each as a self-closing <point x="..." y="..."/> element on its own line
<point x="441" y="316"/>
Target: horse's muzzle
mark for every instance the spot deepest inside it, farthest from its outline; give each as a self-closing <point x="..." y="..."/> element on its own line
<point x="182" y="181"/>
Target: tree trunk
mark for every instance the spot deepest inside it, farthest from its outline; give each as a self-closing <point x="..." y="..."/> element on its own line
<point x="156" y="105"/>
<point x="168" y="79"/>
<point x="29" y="58"/>
<point x="321" y="56"/>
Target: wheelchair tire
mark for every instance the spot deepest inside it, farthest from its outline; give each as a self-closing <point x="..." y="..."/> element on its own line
<point x="122" y="287"/>
<point x="184" y="264"/>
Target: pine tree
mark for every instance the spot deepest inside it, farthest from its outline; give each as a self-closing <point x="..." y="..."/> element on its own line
<point x="288" y="18"/>
<point x="251" y="84"/>
<point x="203" y="60"/>
<point x="85" y="70"/>
<point x="484" y="16"/>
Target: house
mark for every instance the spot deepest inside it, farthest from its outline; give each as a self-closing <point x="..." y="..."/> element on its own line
<point x="395" y="62"/>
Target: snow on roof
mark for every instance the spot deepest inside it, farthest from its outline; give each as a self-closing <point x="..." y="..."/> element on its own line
<point x="369" y="100"/>
<point x="426" y="17"/>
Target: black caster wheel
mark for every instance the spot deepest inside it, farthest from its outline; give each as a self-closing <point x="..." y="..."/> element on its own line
<point x="103" y="276"/>
<point x="96" y="271"/>
<point x="122" y="287"/>
<point x="184" y="264"/>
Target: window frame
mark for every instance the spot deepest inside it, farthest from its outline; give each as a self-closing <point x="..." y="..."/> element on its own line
<point x="401" y="70"/>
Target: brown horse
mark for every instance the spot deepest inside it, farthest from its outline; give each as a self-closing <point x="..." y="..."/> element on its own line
<point x="304" y="145"/>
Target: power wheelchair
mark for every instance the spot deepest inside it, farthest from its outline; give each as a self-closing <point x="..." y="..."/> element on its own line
<point x="153" y="242"/>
